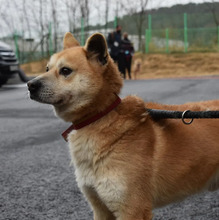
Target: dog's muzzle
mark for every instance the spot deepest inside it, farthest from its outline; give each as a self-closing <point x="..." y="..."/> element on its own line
<point x="41" y="92"/>
<point x="34" y="86"/>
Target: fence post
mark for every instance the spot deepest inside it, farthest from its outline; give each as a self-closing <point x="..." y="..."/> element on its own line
<point x="16" y="44"/>
<point x="185" y="34"/>
<point x="147" y="41"/>
<point x="218" y="37"/>
<point x="50" y="39"/>
<point x="115" y="22"/>
<point x="149" y="26"/>
<point x="82" y="31"/>
<point x="167" y="40"/>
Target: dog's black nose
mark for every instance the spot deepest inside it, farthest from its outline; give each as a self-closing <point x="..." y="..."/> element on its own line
<point x="34" y="85"/>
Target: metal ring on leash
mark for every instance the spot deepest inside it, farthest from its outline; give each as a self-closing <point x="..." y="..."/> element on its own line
<point x="183" y="120"/>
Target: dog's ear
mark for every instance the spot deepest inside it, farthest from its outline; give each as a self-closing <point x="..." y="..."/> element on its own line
<point x="69" y="41"/>
<point x="96" y="47"/>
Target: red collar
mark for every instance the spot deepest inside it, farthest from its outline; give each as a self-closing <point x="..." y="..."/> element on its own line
<point x="92" y="119"/>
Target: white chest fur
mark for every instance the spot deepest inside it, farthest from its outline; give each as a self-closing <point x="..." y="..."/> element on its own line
<point x="82" y="150"/>
<point x="101" y="176"/>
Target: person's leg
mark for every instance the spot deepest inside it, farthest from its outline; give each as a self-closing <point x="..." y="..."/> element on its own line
<point x="129" y="62"/>
<point x="121" y="65"/>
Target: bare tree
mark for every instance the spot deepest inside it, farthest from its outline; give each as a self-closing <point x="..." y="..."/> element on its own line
<point x="38" y="15"/>
<point x="55" y="23"/>
<point x="84" y="11"/>
<point x="117" y="9"/>
<point x="137" y="10"/>
<point x="87" y="9"/>
<point x="46" y="24"/>
<point x="106" y="15"/>
<point x="27" y="20"/>
<point x="8" y="17"/>
<point x="41" y="25"/>
<point x="8" y="21"/>
<point x="84" y="8"/>
<point x="71" y="8"/>
<point x="97" y="6"/>
<point x="213" y="9"/>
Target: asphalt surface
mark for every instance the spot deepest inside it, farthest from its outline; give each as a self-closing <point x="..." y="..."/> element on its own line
<point x="36" y="179"/>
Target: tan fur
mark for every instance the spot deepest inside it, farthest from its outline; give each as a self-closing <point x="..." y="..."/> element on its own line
<point x="69" y="41"/>
<point x="137" y="67"/>
<point x="125" y="163"/>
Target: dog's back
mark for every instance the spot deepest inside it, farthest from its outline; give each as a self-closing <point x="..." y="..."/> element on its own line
<point x="187" y="156"/>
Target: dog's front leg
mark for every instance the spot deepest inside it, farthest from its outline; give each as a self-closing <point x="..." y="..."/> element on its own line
<point x="146" y="215"/>
<point x="101" y="212"/>
<point x="135" y="212"/>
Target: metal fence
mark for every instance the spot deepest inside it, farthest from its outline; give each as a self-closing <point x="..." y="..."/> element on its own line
<point x="182" y="40"/>
<point x="168" y="40"/>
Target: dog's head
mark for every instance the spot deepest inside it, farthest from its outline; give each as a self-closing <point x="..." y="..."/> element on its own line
<point x="78" y="78"/>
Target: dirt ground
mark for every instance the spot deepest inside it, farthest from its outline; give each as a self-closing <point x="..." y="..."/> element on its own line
<point x="178" y="65"/>
<point x="158" y="65"/>
<point x="34" y="68"/>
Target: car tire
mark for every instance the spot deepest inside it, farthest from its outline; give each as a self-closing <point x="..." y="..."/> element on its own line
<point x="3" y="80"/>
<point x="23" y="76"/>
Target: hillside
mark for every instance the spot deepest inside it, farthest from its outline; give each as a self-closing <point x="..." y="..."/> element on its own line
<point x="199" y="16"/>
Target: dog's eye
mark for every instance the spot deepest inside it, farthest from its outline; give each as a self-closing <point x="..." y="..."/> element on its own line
<point x="65" y="71"/>
<point x="47" y="69"/>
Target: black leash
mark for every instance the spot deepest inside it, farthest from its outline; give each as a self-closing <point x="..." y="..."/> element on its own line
<point x="164" y="114"/>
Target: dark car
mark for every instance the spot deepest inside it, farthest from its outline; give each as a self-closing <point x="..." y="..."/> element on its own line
<point x="9" y="64"/>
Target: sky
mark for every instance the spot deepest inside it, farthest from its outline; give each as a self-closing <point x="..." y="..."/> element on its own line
<point x="166" y="3"/>
<point x="16" y="17"/>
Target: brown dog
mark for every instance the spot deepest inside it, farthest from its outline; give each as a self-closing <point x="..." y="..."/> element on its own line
<point x="137" y="67"/>
<point x="126" y="163"/>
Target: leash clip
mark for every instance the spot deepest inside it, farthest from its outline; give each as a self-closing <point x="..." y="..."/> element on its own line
<point x="183" y="118"/>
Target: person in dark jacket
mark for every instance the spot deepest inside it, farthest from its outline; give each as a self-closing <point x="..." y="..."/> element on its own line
<point x="127" y="51"/>
<point x="114" y="43"/>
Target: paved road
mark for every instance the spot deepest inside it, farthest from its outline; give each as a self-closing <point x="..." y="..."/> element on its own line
<point x="36" y="179"/>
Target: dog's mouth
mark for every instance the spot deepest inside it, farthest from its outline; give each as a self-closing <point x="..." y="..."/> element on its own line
<point x="33" y="96"/>
<point x="40" y="93"/>
<point x="46" y="98"/>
